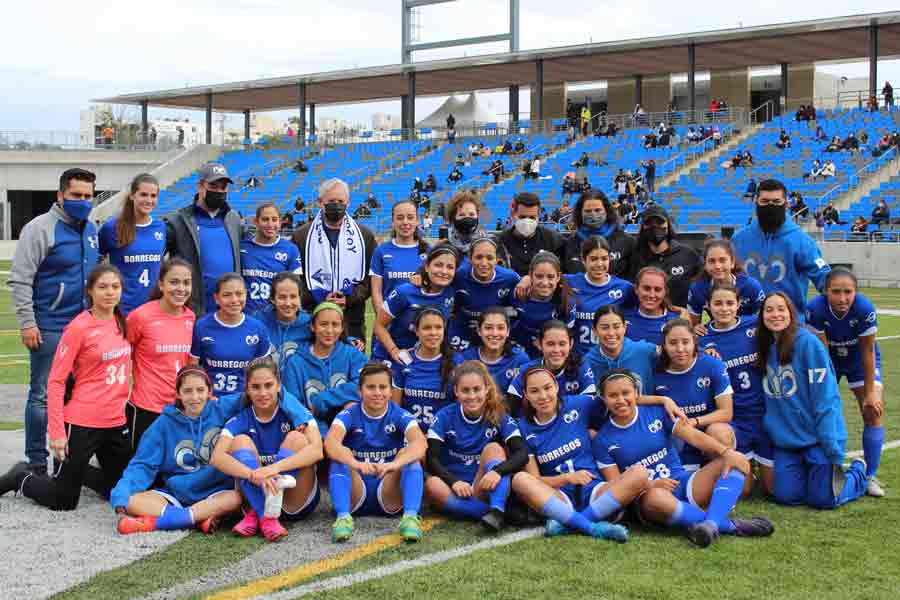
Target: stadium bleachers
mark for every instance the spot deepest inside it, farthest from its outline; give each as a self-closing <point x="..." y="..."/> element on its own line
<point x="889" y="191"/>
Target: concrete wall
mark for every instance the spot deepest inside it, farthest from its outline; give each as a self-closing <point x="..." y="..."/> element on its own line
<point x="733" y="85"/>
<point x="41" y="170"/>
<point x="620" y="96"/>
<point x="801" y="84"/>
<point x="874" y="264"/>
<point x="554" y="101"/>
<point x="656" y="92"/>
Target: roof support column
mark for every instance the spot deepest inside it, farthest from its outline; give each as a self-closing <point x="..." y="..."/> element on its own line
<point x="538" y="108"/>
<point x="246" y="124"/>
<point x="638" y="89"/>
<point x="301" y="105"/>
<point x="691" y="75"/>
<point x="404" y="108"/>
<point x="873" y="59"/>
<point x="312" y="119"/>
<point x="145" y="130"/>
<point x="513" y="103"/>
<point x="411" y="104"/>
<point x="209" y="105"/>
<point x="784" y="88"/>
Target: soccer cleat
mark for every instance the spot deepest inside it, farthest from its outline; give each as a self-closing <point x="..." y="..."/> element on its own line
<point x="553" y="528"/>
<point x="608" y="531"/>
<point x="703" y="534"/>
<point x="128" y="524"/>
<point x="342" y="529"/>
<point x="11" y="481"/>
<point x="873" y="488"/>
<point x="493" y="520"/>
<point x="754" y="527"/>
<point x="248" y="526"/>
<point x="272" y="529"/>
<point x="410" y="528"/>
<point x="208" y="525"/>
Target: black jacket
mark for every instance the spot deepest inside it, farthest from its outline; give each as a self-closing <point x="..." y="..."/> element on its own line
<point x="680" y="263"/>
<point x="520" y="251"/>
<point x="355" y="311"/>
<point x="621" y="247"/>
<point x="183" y="241"/>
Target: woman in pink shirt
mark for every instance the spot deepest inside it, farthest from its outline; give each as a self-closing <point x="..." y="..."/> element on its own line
<point x="160" y="334"/>
<point x="86" y="395"/>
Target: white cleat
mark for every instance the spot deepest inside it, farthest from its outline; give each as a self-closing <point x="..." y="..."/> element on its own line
<point x="874" y="489"/>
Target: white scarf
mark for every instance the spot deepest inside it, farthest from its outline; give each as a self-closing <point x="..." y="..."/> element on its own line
<point x="336" y="269"/>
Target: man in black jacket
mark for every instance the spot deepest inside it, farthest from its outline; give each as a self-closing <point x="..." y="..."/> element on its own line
<point x="526" y="237"/>
<point x="657" y="247"/>
<point x="204" y="232"/>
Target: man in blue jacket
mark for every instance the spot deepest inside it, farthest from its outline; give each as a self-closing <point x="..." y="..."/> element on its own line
<point x="775" y="251"/>
<point x="55" y="253"/>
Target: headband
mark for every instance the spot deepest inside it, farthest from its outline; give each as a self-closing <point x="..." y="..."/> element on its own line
<point x="327" y="306"/>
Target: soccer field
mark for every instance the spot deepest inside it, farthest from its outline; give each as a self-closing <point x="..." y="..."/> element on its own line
<point x="840" y="554"/>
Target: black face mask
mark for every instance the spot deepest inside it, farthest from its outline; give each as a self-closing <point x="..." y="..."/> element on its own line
<point x="657" y="235"/>
<point x="771" y="217"/>
<point x="466" y="225"/>
<point x="214" y="200"/>
<point x="335" y="211"/>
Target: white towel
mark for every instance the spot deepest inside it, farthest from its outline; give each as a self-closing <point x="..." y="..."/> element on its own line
<point x="336" y="269"/>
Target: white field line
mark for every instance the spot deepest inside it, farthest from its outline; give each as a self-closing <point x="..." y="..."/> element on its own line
<point x="887" y="446"/>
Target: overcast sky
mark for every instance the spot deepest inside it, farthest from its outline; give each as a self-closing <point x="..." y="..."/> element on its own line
<point x="55" y="55"/>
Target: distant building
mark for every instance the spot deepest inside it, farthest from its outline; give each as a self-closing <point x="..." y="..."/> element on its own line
<point x="384" y="122"/>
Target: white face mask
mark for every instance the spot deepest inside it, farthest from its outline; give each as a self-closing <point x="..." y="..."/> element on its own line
<point x="526" y="227"/>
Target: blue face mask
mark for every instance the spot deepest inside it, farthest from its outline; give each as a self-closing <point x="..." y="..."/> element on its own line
<point x="77" y="209"/>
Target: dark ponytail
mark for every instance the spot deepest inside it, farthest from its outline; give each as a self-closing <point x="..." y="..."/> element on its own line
<point x="126" y="225"/>
<point x="562" y="297"/>
<point x="98" y="272"/>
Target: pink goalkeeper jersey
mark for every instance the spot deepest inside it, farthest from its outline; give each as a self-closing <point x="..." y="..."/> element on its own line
<point x="99" y="357"/>
<point x="160" y="343"/>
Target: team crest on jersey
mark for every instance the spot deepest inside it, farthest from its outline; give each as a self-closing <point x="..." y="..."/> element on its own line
<point x="870" y="318"/>
<point x="281" y="256"/>
<point x="615" y="294"/>
<point x="676" y="271"/>
<point x="571" y="416"/>
<point x="92" y="240"/>
<point x="655" y="426"/>
<point x="252" y="340"/>
<point x="854" y="322"/>
<point x="751" y="332"/>
<point x="490" y="433"/>
<point x="703" y="382"/>
<point x="572" y="386"/>
<point x="781" y="383"/>
<point x="158" y="236"/>
<point x="615" y="255"/>
<point x="450" y="433"/>
<point x="502" y="293"/>
<point x="189" y="458"/>
<point x="390" y="428"/>
<point x="285" y="427"/>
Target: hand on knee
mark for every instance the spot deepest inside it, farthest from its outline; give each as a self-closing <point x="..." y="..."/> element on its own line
<point x="295" y="441"/>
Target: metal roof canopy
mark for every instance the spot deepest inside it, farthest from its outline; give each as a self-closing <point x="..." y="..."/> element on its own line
<point x="835" y="39"/>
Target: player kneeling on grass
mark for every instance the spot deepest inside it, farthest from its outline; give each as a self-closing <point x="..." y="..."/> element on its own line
<point x="466" y="456"/>
<point x="271" y="447"/>
<point x="176" y="449"/>
<point x="375" y="448"/>
<point x="561" y="477"/>
<point x="642" y="437"/>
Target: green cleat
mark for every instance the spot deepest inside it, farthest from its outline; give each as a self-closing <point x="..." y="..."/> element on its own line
<point x="410" y="528"/>
<point x="342" y="530"/>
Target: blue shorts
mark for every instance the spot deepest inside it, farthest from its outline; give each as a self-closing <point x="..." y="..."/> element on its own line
<point x="304" y="511"/>
<point x="855" y="374"/>
<point x="683" y="491"/>
<point x="371" y="504"/>
<point x="170" y="498"/>
<point x="692" y="459"/>
<point x="753" y="441"/>
<point x="805" y="477"/>
<point x="579" y="496"/>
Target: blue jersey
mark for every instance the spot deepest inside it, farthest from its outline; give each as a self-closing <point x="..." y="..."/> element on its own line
<point x="226" y="350"/>
<point x="564" y="444"/>
<point x="375" y="439"/>
<point x="268" y="435"/>
<point x="259" y="265"/>
<point x="504" y="369"/>
<point x="737" y="349"/>
<point x="403" y="304"/>
<point x="640" y="327"/>
<point x="637" y="357"/>
<point x="285" y="337"/>
<point x="424" y="394"/>
<point x="843" y="333"/>
<point x="139" y="261"/>
<point x="588" y="298"/>
<point x="695" y="389"/>
<point x="463" y="439"/>
<point x="395" y="264"/>
<point x="646" y="441"/>
<point x="750" y="295"/>
<point x="581" y="383"/>
<point x="474" y="296"/>
<point x="531" y="315"/>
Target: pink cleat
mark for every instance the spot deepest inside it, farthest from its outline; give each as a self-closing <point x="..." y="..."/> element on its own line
<point x="248" y="526"/>
<point x="272" y="529"/>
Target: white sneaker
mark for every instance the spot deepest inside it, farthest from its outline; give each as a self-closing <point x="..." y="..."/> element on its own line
<point x="874" y="489"/>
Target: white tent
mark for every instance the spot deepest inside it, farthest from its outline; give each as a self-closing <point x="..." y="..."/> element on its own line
<point x="467" y="110"/>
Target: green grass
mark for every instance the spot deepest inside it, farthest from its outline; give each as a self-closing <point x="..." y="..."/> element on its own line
<point x="11" y="426"/>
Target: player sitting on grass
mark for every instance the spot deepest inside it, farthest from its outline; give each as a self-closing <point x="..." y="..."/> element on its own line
<point x="176" y="449"/>
<point x="271" y="447"/>
<point x="375" y="448"/>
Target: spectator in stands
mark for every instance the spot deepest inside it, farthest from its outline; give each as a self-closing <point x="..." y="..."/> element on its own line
<point x="835" y="145"/>
<point x="850" y="143"/>
<point x="507" y="147"/>
<point x="863" y="137"/>
<point x="485" y="151"/>
<point x="585" y="119"/>
<point x="362" y="211"/>
<point x="107" y="134"/>
<point x="650" y="140"/>
<point x="451" y="121"/>
<point x="831" y="215"/>
<point x="203" y="232"/>
<point x="527" y="236"/>
<point x="882" y="146"/>
<point x="253" y="182"/>
<point x="53" y="257"/>
<point x="820" y="220"/>
<point x="814" y="171"/>
<point x="611" y="130"/>
<point x="460" y="161"/>
<point x="451" y="135"/>
<point x="430" y="184"/>
<point x="650" y="174"/>
<point x="656" y="246"/>
<point x="776" y="252"/>
<point x="427" y="221"/>
<point x="455" y="175"/>
<point x="299" y="205"/>
<point x="895" y="138"/>
<point x="784" y="140"/>
<point x="639" y="116"/>
<point x="888" y="92"/>
<point x="881" y="214"/>
<point x="534" y="170"/>
<point x="519" y="147"/>
<point x="750" y="192"/>
<point x="585" y="185"/>
<point x="474" y="149"/>
<point x="799" y="210"/>
<point x="336" y="253"/>
<point x="498" y="225"/>
<point x="498" y="149"/>
<point x="568" y="184"/>
<point x="417" y="185"/>
<point x="287" y="223"/>
<point x="859" y="225"/>
<point x="497" y="170"/>
<point x="829" y="169"/>
<point x="153" y="136"/>
<point x="821" y="136"/>
<point x="594" y="216"/>
<point x="372" y="201"/>
<point x="300" y="166"/>
<point x="583" y="161"/>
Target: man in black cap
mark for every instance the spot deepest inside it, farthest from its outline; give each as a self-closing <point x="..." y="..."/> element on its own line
<point x="657" y="247"/>
<point x="207" y="234"/>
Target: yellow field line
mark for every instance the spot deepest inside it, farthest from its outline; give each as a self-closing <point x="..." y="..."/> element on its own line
<point x="292" y="577"/>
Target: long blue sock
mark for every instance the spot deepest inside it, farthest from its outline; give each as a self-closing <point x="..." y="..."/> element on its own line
<point x="252" y="492"/>
<point x="872" y="441"/>
<point x="724" y="498"/>
<point x="498" y="496"/>
<point x="174" y="517"/>
<point x="468" y="508"/>
<point x="555" y="508"/>
<point x="339" y="485"/>
<point x="601" y="507"/>
<point x="686" y="515"/>
<point x="412" y="482"/>
<point x="282" y="454"/>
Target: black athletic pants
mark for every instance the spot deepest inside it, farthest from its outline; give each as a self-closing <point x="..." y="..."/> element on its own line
<point x="62" y="491"/>
<point x="139" y="420"/>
